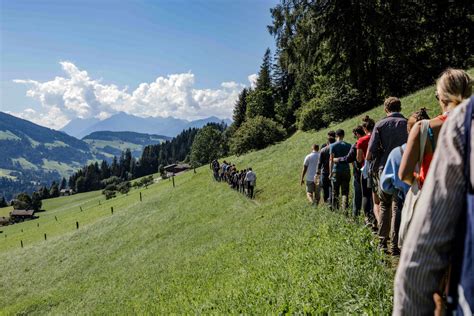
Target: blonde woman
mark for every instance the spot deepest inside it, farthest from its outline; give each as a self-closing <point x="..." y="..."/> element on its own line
<point x="452" y="87"/>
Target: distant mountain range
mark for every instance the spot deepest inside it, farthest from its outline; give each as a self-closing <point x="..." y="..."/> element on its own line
<point x="33" y="154"/>
<point x="168" y="126"/>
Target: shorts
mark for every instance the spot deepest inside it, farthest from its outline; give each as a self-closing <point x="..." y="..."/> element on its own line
<point x="375" y="182"/>
<point x="310" y="186"/>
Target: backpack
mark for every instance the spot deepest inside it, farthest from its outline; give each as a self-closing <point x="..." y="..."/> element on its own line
<point x="461" y="287"/>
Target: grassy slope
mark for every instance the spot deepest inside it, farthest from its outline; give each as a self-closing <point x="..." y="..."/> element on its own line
<point x="201" y="247"/>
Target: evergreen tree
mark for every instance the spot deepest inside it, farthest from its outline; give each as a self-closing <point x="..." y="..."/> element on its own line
<point x="63" y="184"/>
<point x="240" y="109"/>
<point x="81" y="185"/>
<point x="260" y="100"/>
<point x="54" y="190"/>
<point x="44" y="193"/>
<point x="3" y="202"/>
<point x="36" y="201"/>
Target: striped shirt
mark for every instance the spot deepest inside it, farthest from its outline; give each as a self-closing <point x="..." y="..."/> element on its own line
<point x="428" y="245"/>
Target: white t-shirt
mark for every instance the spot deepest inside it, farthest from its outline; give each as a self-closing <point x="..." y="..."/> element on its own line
<point x="251" y="176"/>
<point x="311" y="161"/>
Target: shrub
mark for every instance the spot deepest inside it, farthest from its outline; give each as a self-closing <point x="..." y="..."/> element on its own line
<point x="310" y="116"/>
<point x="207" y="145"/>
<point x="256" y="133"/>
<point x="109" y="194"/>
<point x="22" y="202"/>
<point x="124" y="187"/>
<point x="337" y="102"/>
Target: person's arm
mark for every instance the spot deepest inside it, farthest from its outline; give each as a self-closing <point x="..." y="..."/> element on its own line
<point x="331" y="162"/>
<point x="429" y="241"/>
<point x="350" y="157"/>
<point x="320" y="162"/>
<point x="303" y="173"/>
<point x="360" y="156"/>
<point x="411" y="156"/>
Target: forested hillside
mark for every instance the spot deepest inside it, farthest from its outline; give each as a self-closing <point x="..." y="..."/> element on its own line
<point x="114" y="143"/>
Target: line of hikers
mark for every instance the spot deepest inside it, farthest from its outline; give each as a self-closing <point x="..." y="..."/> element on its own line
<point x="413" y="179"/>
<point x="243" y="181"/>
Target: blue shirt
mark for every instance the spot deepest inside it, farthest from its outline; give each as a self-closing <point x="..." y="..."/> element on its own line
<point x="389" y="181"/>
<point x="340" y="149"/>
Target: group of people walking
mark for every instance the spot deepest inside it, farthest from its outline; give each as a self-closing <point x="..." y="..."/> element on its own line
<point x="409" y="178"/>
<point x="243" y="181"/>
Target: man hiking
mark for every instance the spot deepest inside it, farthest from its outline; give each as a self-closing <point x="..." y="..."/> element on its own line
<point x="250" y="180"/>
<point x="340" y="171"/>
<point x="308" y="174"/>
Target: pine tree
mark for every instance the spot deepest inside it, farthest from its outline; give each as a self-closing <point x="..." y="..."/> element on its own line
<point x="3" y="202"/>
<point x="54" y="190"/>
<point x="260" y="100"/>
<point x="63" y="184"/>
<point x="240" y="109"/>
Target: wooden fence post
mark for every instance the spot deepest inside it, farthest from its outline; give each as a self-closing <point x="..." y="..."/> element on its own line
<point x="21" y="243"/>
<point x="80" y="208"/>
<point x="140" y="196"/>
<point x="44" y="236"/>
<point x="55" y="218"/>
<point x="112" y="210"/>
<point x="173" y="180"/>
<point x="77" y="225"/>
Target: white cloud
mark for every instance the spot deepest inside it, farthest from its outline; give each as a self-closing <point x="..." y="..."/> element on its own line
<point x="78" y="95"/>
<point x="253" y="80"/>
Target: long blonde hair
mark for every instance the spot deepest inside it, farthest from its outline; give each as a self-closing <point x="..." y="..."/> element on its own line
<point x="453" y="86"/>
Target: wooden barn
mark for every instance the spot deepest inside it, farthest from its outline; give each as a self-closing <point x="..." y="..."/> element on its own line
<point x="177" y="168"/>
<point x="22" y="215"/>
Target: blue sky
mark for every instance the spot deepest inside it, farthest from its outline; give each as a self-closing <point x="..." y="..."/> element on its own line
<point x="126" y="43"/>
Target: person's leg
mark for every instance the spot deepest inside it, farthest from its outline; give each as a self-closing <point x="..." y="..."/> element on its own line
<point x="385" y="222"/>
<point x="395" y="225"/>
<point x="336" y="187"/>
<point x="251" y="191"/>
<point x="326" y="187"/>
<point x="345" y="188"/>
<point x="317" y="190"/>
<point x="310" y="188"/>
<point x="367" y="202"/>
<point x="357" y="200"/>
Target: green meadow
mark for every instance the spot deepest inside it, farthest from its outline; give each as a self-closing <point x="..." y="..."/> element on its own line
<point x="201" y="247"/>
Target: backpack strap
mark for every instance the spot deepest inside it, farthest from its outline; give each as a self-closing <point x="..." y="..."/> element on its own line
<point x="425" y="125"/>
<point x="467" y="131"/>
<point x="432" y="139"/>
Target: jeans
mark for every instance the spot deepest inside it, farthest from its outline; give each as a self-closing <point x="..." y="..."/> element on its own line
<point x="250" y="189"/>
<point x="367" y="200"/>
<point x="357" y="201"/>
<point x="326" y="187"/>
<point x="340" y="185"/>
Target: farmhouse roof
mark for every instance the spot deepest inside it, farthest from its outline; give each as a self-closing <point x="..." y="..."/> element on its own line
<point x="22" y="212"/>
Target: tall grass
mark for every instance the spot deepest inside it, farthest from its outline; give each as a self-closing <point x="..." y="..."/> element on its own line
<point x="201" y="247"/>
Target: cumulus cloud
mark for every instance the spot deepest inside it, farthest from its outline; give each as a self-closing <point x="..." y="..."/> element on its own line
<point x="78" y="96"/>
<point x="253" y="80"/>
